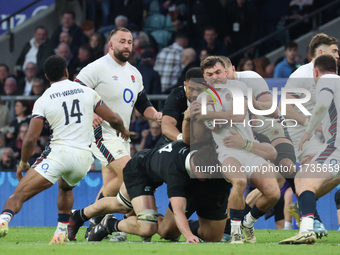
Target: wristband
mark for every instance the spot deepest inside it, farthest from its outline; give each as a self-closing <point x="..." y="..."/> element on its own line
<point x="248" y="145"/>
<point x="24" y="165"/>
<point x="180" y="137"/>
<point x="306" y="122"/>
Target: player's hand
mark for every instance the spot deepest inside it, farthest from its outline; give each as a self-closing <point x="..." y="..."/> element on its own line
<point x="307" y="158"/>
<point x="235" y="141"/>
<point x="192" y="239"/>
<point x="158" y="117"/>
<point x="125" y="134"/>
<point x="21" y="168"/>
<point x="306" y="137"/>
<point x="96" y="121"/>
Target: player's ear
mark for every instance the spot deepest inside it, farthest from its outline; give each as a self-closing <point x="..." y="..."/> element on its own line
<point x="46" y="77"/>
<point x="110" y="45"/>
<point x="66" y="73"/>
<point x="233" y="67"/>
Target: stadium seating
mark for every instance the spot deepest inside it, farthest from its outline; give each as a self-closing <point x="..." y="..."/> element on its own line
<point x="154" y="22"/>
<point x="168" y="24"/>
<point x="162" y="37"/>
<point x="153" y="8"/>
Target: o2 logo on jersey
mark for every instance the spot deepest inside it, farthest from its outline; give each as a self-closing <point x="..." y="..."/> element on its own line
<point x="128" y="96"/>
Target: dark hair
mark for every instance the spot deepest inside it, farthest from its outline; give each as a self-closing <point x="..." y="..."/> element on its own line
<point x="291" y="44"/>
<point x="242" y="62"/>
<point x="325" y="63"/>
<point x="54" y="67"/>
<point x="194" y="72"/>
<point x="181" y="35"/>
<point x="210" y="62"/>
<point x="40" y="27"/>
<point x="319" y="40"/>
<point x="206" y="156"/>
<point x="72" y="13"/>
<point x="25" y="104"/>
<point x="114" y="31"/>
<point x="86" y="48"/>
<point x="6" y="66"/>
<point x="210" y="28"/>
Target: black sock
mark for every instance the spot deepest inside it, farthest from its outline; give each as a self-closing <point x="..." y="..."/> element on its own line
<point x="8" y="212"/>
<point x="101" y="196"/>
<point x="247" y="209"/>
<point x="256" y="213"/>
<point x="291" y="182"/>
<point x="236" y="215"/>
<point x="194" y="225"/>
<point x="113" y="225"/>
<point x="307" y="204"/>
<point x="317" y="216"/>
<point x="79" y="217"/>
<point x="63" y="217"/>
<point x="227" y="228"/>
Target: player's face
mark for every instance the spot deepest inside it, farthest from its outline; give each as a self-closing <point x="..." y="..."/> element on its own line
<point x="215" y="75"/>
<point x="333" y="50"/>
<point x="193" y="89"/>
<point x="122" y="45"/>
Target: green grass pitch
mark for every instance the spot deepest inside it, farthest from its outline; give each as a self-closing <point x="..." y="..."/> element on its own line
<point x="34" y="241"/>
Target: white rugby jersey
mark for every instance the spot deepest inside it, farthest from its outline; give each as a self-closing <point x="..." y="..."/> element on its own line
<point x="68" y="107"/>
<point x="117" y="85"/>
<point x="301" y="78"/>
<point x="260" y="87"/>
<point x="227" y="99"/>
<point x="330" y="123"/>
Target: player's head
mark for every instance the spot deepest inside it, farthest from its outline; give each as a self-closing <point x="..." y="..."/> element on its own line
<point x="231" y="74"/>
<point x="55" y="68"/>
<point x="192" y="83"/>
<point x="120" y="44"/>
<point x="324" y="44"/>
<point x="214" y="70"/>
<point x="324" y="64"/>
<point x="202" y="161"/>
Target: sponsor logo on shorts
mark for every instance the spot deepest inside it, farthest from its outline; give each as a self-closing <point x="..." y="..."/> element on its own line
<point x="45" y="166"/>
<point x="147" y="188"/>
<point x="276" y="132"/>
<point x="119" y="152"/>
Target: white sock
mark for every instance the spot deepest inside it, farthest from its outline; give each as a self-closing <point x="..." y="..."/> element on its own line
<point x="288" y="225"/>
<point x="61" y="228"/>
<point x="5" y="217"/>
<point x="235" y="227"/>
<point x="248" y="220"/>
<point x="306" y="224"/>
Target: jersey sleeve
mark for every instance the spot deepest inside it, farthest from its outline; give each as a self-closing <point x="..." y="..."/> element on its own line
<point x="172" y="107"/>
<point x="39" y="109"/>
<point x="97" y="100"/>
<point x="177" y="183"/>
<point x="88" y="76"/>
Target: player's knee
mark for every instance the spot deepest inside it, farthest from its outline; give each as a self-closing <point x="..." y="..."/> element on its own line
<point x="148" y="220"/>
<point x="288" y="164"/>
<point x="212" y="237"/>
<point x="240" y="183"/>
<point x="272" y="194"/>
<point x="167" y="233"/>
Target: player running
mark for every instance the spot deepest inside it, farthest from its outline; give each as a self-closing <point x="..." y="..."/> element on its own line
<point x="303" y="78"/>
<point x="325" y="164"/>
<point x="68" y="108"/>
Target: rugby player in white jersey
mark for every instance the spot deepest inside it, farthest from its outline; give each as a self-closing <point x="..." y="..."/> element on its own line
<point x="121" y="86"/>
<point x="215" y="73"/>
<point x="303" y="78"/>
<point x="324" y="166"/>
<point x="68" y="108"/>
<point x="273" y="129"/>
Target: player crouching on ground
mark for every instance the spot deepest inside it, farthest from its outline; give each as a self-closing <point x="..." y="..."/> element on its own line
<point x="324" y="166"/>
<point x="147" y="170"/>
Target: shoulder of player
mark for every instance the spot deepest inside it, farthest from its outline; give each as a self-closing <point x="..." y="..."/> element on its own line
<point x="303" y="71"/>
<point x="237" y="83"/>
<point x="178" y="93"/>
<point x="248" y="74"/>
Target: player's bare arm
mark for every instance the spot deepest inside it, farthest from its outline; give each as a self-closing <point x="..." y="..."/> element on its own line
<point x="114" y="119"/>
<point x="265" y="102"/>
<point x="29" y="143"/>
<point x="151" y="113"/>
<point x="169" y="127"/>
<point x="264" y="150"/>
<point x="178" y="207"/>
